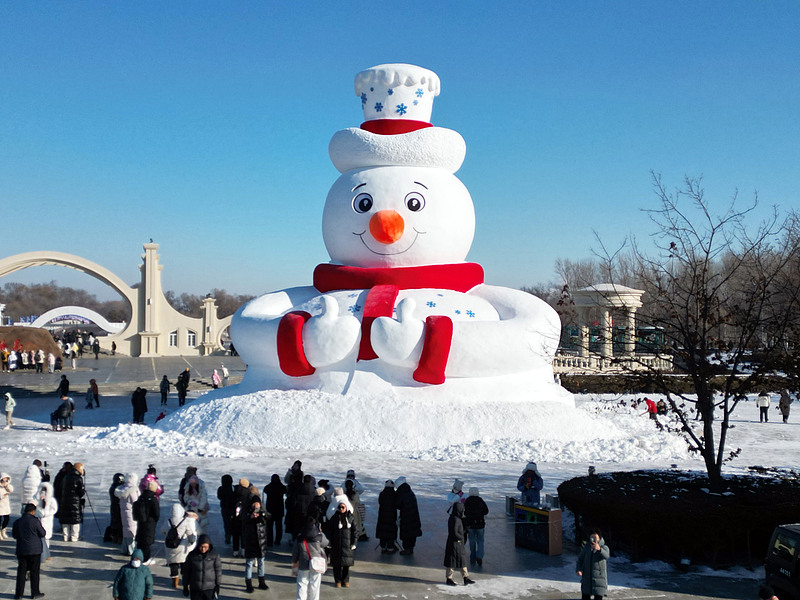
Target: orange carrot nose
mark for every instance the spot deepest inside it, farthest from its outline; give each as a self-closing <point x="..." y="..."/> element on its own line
<point x="386" y="226"/>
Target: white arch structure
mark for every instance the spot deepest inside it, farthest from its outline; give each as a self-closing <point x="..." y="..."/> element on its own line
<point x="79" y="311"/>
<point x="155" y="328"/>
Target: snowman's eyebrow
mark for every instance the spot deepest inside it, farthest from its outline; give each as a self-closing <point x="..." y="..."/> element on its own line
<point x="361" y="185"/>
<point x="418" y="183"/>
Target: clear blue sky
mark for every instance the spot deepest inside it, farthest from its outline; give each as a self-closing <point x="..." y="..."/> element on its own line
<point x="205" y="125"/>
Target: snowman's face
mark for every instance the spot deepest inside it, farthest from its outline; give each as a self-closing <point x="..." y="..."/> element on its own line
<point x="398" y="217"/>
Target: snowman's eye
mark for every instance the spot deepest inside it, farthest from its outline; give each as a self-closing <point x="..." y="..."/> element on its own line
<point x="415" y="201"/>
<point x="362" y="203"/>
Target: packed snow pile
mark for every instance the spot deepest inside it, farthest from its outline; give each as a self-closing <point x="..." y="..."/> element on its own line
<point x="471" y="429"/>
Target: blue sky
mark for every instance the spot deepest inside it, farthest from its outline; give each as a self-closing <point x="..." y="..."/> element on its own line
<point x="205" y="125"/>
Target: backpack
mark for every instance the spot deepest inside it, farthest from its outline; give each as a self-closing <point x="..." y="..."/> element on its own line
<point x="173" y="540"/>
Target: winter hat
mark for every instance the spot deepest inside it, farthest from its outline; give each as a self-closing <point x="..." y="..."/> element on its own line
<point x="204" y="539"/>
<point x="388" y="483"/>
<point x="351" y="473"/>
<point x="531" y="466"/>
<point x="337" y="491"/>
<point x="152" y="486"/>
<point x="343" y="500"/>
<point x="244" y="483"/>
<point x="400" y="481"/>
<point x="324" y="484"/>
<point x="137" y="554"/>
<point x="5" y="476"/>
<point x="458" y="485"/>
<point x="397" y="101"/>
<point x="78" y="467"/>
<point x="474" y="491"/>
<point x="320" y="491"/>
<point x="253" y="490"/>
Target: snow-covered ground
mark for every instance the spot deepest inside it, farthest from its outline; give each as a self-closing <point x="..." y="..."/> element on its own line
<point x="485" y="445"/>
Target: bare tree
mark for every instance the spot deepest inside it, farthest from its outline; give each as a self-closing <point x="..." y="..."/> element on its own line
<point x="725" y="295"/>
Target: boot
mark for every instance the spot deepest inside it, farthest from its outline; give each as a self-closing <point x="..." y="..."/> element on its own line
<point x="262" y="585"/>
<point x="175" y="582"/>
<point x="450" y="581"/>
<point x="3" y="534"/>
<point x="468" y="581"/>
<point x="249" y="584"/>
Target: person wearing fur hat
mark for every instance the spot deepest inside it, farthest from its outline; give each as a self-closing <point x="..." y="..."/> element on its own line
<point x="475" y="511"/>
<point x="455" y="554"/>
<point x="241" y="497"/>
<point x="456" y="494"/>
<point x="128" y="493"/>
<point x="195" y="499"/>
<point x="9" y="404"/>
<point x="70" y="506"/>
<point x="133" y="581"/>
<point x="202" y="571"/>
<point x="310" y="543"/>
<point x="254" y="543"/>
<point x="386" y="528"/>
<point x="410" y="523"/>
<point x="185" y="522"/>
<point x="530" y="484"/>
<point x="146" y="511"/>
<point x="5" y="503"/>
<point x="343" y="535"/>
<point x="113" y="532"/>
<point x="46" y="508"/>
<point x="272" y="499"/>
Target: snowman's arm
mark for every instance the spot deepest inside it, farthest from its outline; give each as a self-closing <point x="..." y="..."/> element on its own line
<point x="254" y="327"/>
<point x="526" y="336"/>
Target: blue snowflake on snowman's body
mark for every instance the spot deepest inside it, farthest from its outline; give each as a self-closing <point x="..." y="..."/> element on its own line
<point x="378" y="107"/>
<point x="430" y="303"/>
<point x="390" y="91"/>
<point x="401" y="109"/>
<point x="470" y="314"/>
<point x="419" y="92"/>
<point x="458" y="312"/>
<point x="416" y="102"/>
<point x="355" y="309"/>
<point x="363" y="98"/>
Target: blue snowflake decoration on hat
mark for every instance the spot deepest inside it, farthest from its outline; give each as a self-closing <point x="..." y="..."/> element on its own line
<point x="363" y="98"/>
<point x="401" y="109"/>
<point x="378" y="107"/>
<point x="390" y="91"/>
<point x="419" y="93"/>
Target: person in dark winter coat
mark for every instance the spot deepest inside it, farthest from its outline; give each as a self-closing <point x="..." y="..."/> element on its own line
<point x="254" y="543"/>
<point x="410" y="524"/>
<point x="343" y="535"/>
<point x="146" y="511"/>
<point x="241" y="502"/>
<point x="475" y="510"/>
<point x="63" y="386"/>
<point x="311" y="542"/>
<point x="272" y="500"/>
<point x="455" y="553"/>
<point x="591" y="567"/>
<point x="29" y="533"/>
<point x="70" y="505"/>
<point x="134" y="581"/>
<point x="386" y="528"/>
<point x="58" y="482"/>
<point x="139" y="403"/>
<point x="114" y="530"/>
<point x="318" y="508"/>
<point x="227" y="504"/>
<point x="297" y="504"/>
<point x="202" y="571"/>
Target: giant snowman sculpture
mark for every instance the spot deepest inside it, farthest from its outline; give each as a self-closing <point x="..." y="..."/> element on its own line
<point x="398" y="309"/>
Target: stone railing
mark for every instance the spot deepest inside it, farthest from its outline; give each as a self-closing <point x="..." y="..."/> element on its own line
<point x="565" y="362"/>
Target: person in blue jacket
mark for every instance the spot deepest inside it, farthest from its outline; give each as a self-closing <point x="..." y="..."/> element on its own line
<point x="530" y="484"/>
<point x="134" y="581"/>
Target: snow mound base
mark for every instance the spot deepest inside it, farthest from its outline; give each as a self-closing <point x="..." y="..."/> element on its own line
<point x="471" y="429"/>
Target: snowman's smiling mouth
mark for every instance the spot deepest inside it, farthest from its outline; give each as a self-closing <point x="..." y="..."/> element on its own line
<point x="391" y="246"/>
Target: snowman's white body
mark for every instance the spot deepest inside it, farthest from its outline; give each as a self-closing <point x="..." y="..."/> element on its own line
<point x="395" y="217"/>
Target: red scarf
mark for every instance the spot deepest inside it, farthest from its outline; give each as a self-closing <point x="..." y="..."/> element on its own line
<point x="384" y="285"/>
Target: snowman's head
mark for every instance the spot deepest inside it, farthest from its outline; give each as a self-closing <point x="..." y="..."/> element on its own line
<point x="398" y="216"/>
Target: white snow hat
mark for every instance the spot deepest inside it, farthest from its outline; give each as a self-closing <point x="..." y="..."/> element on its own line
<point x="388" y="483"/>
<point x="531" y="466"/>
<point x="473" y="491"/>
<point x="343" y="500"/>
<point x="399" y="481"/>
<point x="458" y="485"/>
<point x="397" y="100"/>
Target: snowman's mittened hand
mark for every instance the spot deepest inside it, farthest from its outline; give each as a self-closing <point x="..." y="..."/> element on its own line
<point x="328" y="337"/>
<point x="399" y="342"/>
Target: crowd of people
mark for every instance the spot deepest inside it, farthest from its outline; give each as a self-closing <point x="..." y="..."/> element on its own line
<point x="71" y="347"/>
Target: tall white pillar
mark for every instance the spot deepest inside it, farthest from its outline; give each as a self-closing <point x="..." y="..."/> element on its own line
<point x="630" y="332"/>
<point x="607" y="349"/>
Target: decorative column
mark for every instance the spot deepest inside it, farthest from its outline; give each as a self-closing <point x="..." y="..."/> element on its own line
<point x="630" y="333"/>
<point x="149" y="296"/>
<point x="607" y="348"/>
<point x="209" y="335"/>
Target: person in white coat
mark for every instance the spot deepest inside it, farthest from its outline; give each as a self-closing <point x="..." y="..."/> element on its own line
<point x="5" y="503"/>
<point x="186" y="524"/>
<point x="128" y="493"/>
<point x="46" y="508"/>
<point x="30" y="485"/>
<point x="9" y="405"/>
<point x="195" y="499"/>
